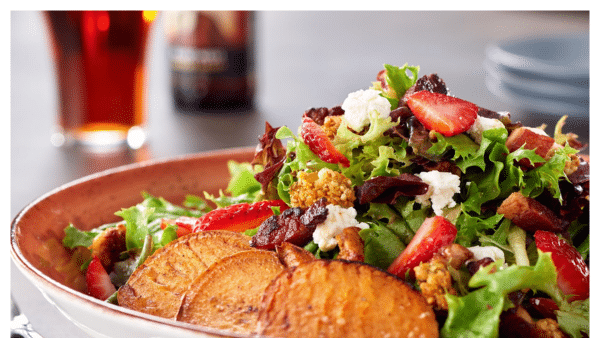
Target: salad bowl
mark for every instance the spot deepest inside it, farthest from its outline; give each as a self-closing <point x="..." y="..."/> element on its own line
<point x="382" y="183"/>
<point x="37" y="232"/>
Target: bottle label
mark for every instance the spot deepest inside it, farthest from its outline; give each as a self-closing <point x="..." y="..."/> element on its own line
<point x="213" y="61"/>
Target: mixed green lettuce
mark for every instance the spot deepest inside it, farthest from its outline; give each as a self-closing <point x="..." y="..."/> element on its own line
<point x="477" y="314"/>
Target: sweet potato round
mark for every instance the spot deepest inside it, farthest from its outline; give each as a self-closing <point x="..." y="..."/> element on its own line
<point x="158" y="285"/>
<point x="227" y="295"/>
<point x="343" y="299"/>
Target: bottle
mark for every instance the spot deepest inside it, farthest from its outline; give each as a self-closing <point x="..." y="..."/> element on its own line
<point x="211" y="60"/>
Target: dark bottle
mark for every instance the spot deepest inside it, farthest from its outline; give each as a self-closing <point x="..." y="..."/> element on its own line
<point x="211" y="56"/>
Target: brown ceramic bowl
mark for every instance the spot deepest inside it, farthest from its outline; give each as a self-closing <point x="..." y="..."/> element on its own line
<point x="37" y="232"/>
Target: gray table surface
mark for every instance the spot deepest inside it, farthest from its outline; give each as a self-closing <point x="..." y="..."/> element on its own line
<point x="303" y="60"/>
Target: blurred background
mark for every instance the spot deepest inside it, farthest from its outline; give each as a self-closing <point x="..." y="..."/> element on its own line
<point x="532" y="64"/>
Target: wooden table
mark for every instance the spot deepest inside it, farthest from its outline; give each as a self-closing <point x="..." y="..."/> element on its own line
<point x="303" y="60"/>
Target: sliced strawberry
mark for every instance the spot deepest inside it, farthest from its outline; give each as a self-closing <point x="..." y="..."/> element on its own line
<point x="434" y="233"/>
<point x="238" y="217"/>
<point x="318" y="142"/>
<point x="573" y="273"/>
<point x="184" y="224"/>
<point x="445" y="114"/>
<point x="97" y="280"/>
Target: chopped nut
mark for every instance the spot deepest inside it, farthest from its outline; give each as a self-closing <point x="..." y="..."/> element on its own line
<point x="109" y="245"/>
<point x="456" y="255"/>
<point x="550" y="328"/>
<point x="572" y="164"/>
<point x="331" y="125"/>
<point x="327" y="183"/>
<point x="435" y="281"/>
<point x="351" y="245"/>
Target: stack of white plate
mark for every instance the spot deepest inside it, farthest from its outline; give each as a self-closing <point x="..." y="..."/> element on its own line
<point x="541" y="74"/>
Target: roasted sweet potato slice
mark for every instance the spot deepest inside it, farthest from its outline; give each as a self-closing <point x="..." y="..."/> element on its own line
<point x="158" y="285"/>
<point x="336" y="298"/>
<point x="227" y="295"/>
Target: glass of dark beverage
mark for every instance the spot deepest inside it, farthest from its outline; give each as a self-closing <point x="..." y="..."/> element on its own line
<point x="100" y="60"/>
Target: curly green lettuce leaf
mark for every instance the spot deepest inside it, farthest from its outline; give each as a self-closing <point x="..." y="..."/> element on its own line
<point x="242" y="186"/>
<point x="144" y="220"/>
<point x="500" y="176"/>
<point x="574" y="318"/>
<point x="478" y="313"/>
<point x="381" y="245"/>
<point x="136" y="223"/>
<point x="548" y="175"/>
<point x="242" y="179"/>
<point x="398" y="79"/>
<point x="412" y="213"/>
<point x="392" y="220"/>
<point x="463" y="148"/>
<point x="196" y="203"/>
<point x="222" y="200"/>
<point x="470" y="228"/>
<point x="373" y="153"/>
<point x="75" y="237"/>
<point x="165" y="209"/>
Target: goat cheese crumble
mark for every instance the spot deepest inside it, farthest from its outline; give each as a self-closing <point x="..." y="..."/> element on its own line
<point x="338" y="218"/>
<point x="442" y="187"/>
<point x="359" y="104"/>
<point x="482" y="124"/>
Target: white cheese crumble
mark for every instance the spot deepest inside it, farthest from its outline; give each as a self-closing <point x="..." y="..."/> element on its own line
<point x="480" y="252"/>
<point x="338" y="218"/>
<point x="358" y="105"/>
<point x="482" y="124"/>
<point x="442" y="187"/>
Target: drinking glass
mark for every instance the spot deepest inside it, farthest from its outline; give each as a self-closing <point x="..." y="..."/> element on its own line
<point x="100" y="62"/>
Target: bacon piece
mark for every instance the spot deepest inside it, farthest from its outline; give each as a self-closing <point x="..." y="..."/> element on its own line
<point x="294" y="225"/>
<point x="532" y="140"/>
<point x="529" y="214"/>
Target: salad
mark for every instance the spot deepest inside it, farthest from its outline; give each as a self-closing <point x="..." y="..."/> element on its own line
<point x="487" y="219"/>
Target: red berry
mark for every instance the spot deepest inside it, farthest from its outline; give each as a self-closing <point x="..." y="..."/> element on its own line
<point x="315" y="138"/>
<point x="97" y="280"/>
<point x="238" y="217"/>
<point x="434" y="233"/>
<point x="573" y="272"/>
<point x="445" y="114"/>
<point x="184" y="224"/>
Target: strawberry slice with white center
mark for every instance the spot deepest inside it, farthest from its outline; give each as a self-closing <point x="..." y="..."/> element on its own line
<point x="238" y="217"/>
<point x="445" y="114"/>
<point x="433" y="234"/>
<point x="573" y="273"/>
<point x="97" y="280"/>
<point x="316" y="139"/>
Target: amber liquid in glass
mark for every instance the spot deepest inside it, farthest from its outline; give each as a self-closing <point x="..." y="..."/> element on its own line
<point x="101" y="71"/>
